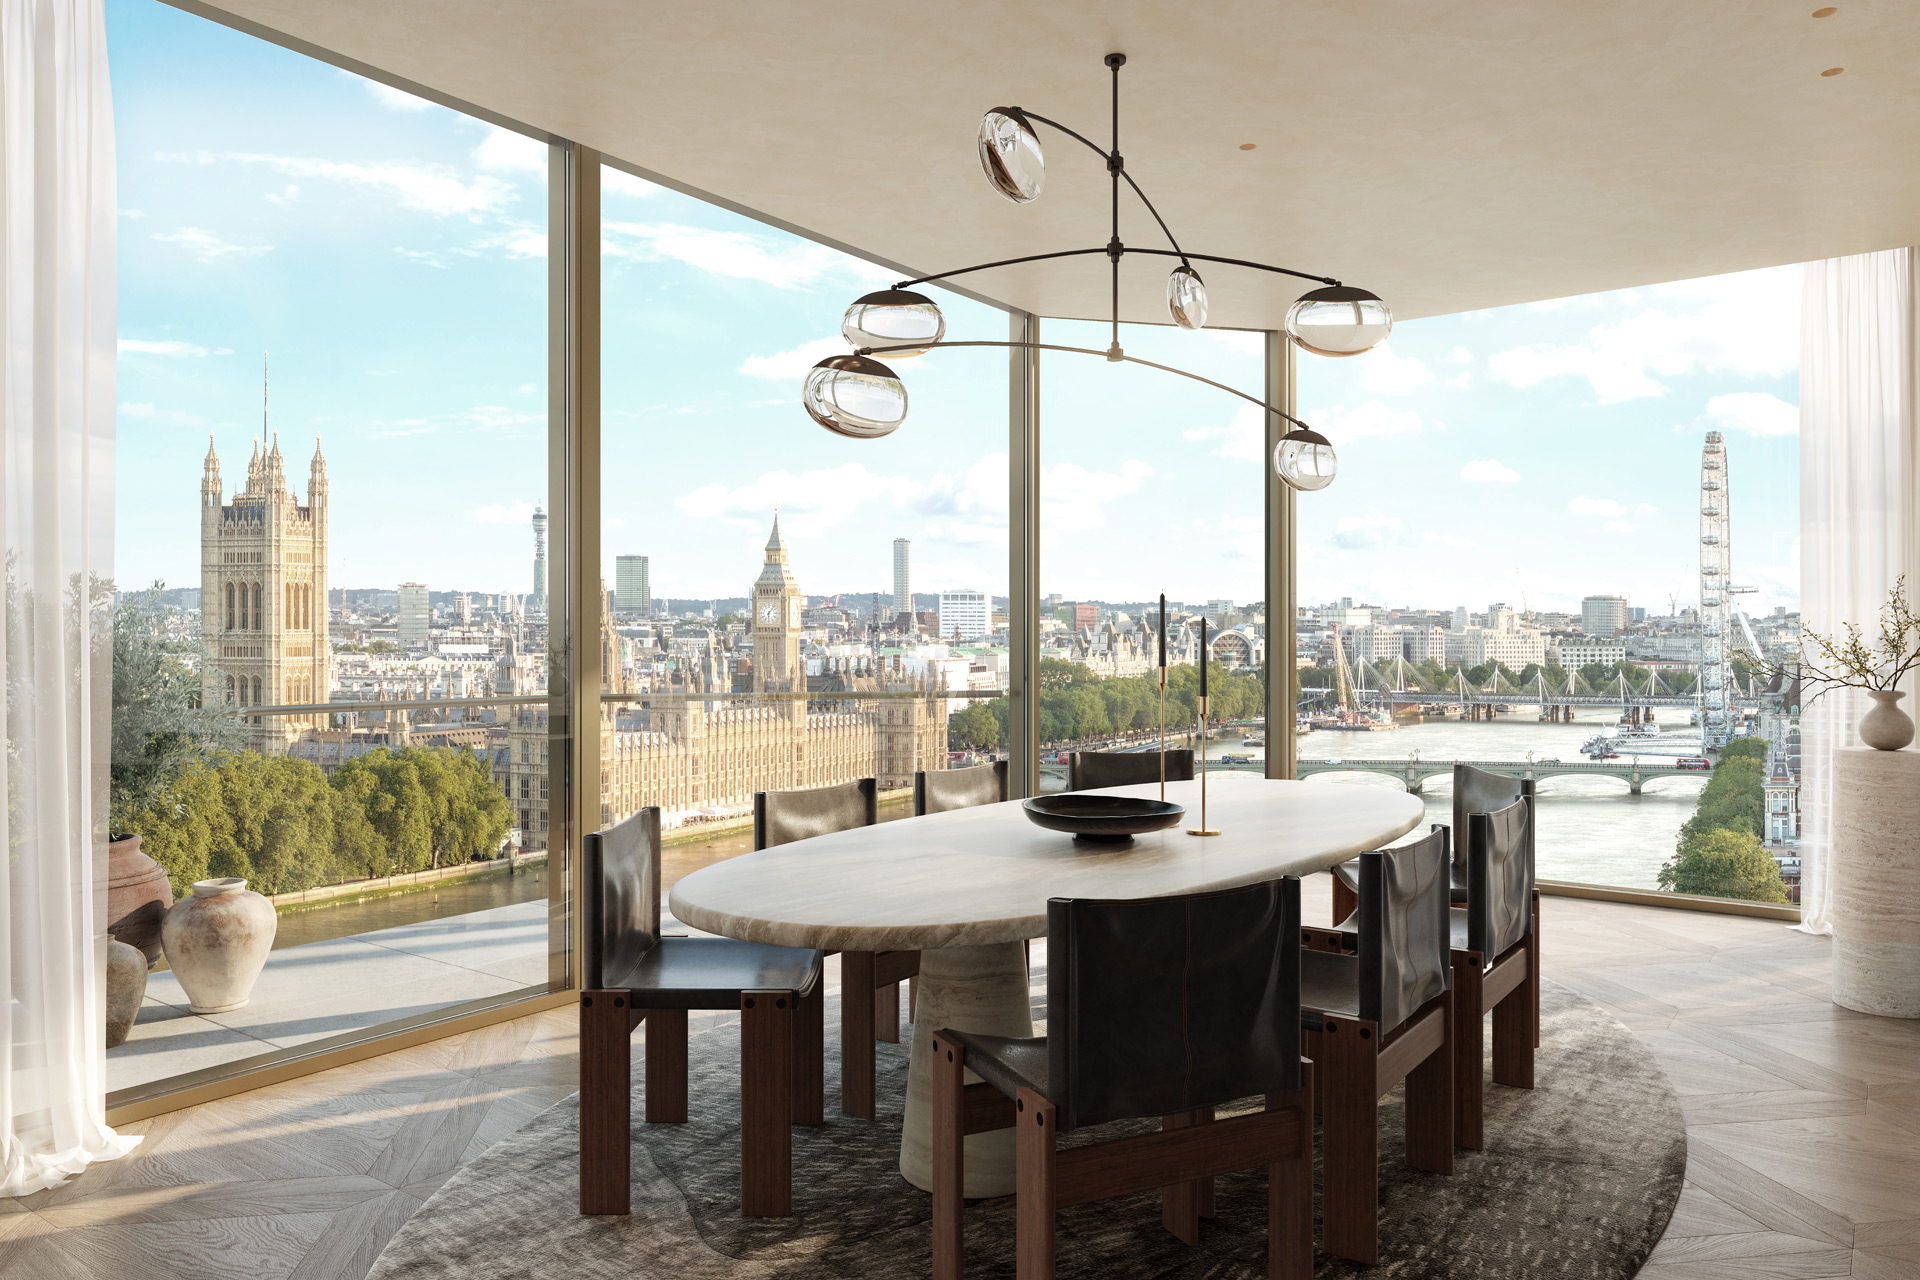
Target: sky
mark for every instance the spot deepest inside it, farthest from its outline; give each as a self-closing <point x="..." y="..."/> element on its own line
<point x="390" y="254"/>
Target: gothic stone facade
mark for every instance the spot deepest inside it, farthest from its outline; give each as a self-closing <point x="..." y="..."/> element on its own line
<point x="263" y="592"/>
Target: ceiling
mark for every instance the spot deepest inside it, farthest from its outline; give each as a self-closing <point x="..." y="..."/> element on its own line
<point x="1448" y="154"/>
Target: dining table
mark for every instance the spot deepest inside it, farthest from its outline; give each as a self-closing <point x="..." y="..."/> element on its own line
<point x="969" y="887"/>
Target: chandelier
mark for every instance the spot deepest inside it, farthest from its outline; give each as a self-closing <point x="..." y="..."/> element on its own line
<point x="857" y="395"/>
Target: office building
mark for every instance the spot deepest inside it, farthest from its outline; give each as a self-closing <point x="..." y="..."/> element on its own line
<point x="632" y="592"/>
<point x="964" y="615"/>
<point x="1603" y="615"/>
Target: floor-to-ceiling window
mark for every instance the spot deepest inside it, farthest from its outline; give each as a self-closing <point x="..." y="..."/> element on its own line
<point x="786" y="608"/>
<point x="1559" y="533"/>
<point x="331" y="459"/>
<point x="1150" y="485"/>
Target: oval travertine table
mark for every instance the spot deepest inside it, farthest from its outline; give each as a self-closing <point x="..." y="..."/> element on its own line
<point x="967" y="888"/>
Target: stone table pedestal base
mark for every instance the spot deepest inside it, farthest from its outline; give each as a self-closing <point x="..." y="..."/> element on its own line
<point x="1876" y="881"/>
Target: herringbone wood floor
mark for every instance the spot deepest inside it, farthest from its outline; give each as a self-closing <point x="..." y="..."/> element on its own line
<point x="1803" y="1124"/>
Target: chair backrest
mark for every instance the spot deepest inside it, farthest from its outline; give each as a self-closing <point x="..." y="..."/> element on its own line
<point x="1405" y="941"/>
<point x="1499" y="879"/>
<point x="781" y="817"/>
<point x="1091" y="770"/>
<point x="938" y="790"/>
<point x="1477" y="791"/>
<point x="1160" y="1005"/>
<point x="620" y="907"/>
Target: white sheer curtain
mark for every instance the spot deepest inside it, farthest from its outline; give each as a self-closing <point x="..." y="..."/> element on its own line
<point x="56" y="503"/>
<point x="1859" y="482"/>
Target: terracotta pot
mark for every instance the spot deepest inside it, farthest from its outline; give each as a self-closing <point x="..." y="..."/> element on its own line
<point x="1886" y="727"/>
<point x="216" y="941"/>
<point x="138" y="896"/>
<point x="126" y="988"/>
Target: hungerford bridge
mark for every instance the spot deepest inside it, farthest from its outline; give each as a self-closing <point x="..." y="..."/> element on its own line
<point x="1413" y="772"/>
<point x="1393" y="684"/>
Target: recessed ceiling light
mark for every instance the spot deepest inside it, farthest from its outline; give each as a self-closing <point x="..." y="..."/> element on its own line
<point x="1833" y="71"/>
<point x="1827" y="12"/>
<point x="1247" y="146"/>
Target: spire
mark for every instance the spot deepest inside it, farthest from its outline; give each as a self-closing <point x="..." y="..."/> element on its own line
<point x="776" y="545"/>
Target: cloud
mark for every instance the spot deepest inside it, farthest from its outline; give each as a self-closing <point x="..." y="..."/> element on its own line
<point x="1385" y="373"/>
<point x="1489" y="471"/>
<point x="1758" y="412"/>
<point x="1073" y="498"/>
<point x="389" y="97"/>
<point x="793" y="364"/>
<point x="970" y="507"/>
<point x="426" y="256"/>
<point x="1618" y="526"/>
<point x="285" y="196"/>
<point x="1747" y="324"/>
<point x="433" y="188"/>
<point x="505" y="151"/>
<point x="785" y="265"/>
<point x="809" y="502"/>
<point x="1370" y="419"/>
<point x="1245" y="341"/>
<point x="503" y="513"/>
<point x="1584" y="506"/>
<point x="1245" y="437"/>
<point x="1372" y="531"/>
<point x="174" y="417"/>
<point x="1460" y="355"/>
<point x="208" y="247"/>
<point x="168" y="347"/>
<point x="1463" y="379"/>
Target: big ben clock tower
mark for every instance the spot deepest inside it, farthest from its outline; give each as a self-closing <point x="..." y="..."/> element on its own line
<point x="776" y="622"/>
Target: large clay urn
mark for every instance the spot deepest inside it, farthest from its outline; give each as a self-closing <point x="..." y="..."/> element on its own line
<point x="138" y="896"/>
<point x="126" y="988"/>
<point x="216" y="942"/>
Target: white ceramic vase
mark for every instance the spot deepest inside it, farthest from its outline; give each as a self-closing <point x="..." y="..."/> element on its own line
<point x="1886" y="727"/>
<point x="216" y="942"/>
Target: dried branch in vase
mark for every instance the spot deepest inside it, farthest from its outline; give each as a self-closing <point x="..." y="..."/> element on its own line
<point x="1844" y="660"/>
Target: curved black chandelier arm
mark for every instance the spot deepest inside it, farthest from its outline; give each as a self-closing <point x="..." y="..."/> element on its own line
<point x="1004" y="262"/>
<point x="1177" y="252"/>
<point x="1238" y="262"/>
<point x="1086" y="351"/>
<point x="1096" y="147"/>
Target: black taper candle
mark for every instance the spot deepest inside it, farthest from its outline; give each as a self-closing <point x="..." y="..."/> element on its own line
<point x="1163" y="631"/>
<point x="1203" y="655"/>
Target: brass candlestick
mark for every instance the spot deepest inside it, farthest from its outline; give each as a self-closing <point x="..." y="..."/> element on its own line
<point x="1201" y="746"/>
<point x="1163" y="735"/>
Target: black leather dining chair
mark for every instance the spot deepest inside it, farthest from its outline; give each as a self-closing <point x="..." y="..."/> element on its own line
<point x="1381" y="996"/>
<point x="939" y="790"/>
<point x="869" y="980"/>
<point x="1091" y="770"/>
<point x="632" y="974"/>
<point x="1474" y="791"/>
<point x="1163" y="1007"/>
<point x="1496" y="959"/>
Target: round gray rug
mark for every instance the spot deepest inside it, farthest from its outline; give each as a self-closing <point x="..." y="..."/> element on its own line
<point x="1578" y="1179"/>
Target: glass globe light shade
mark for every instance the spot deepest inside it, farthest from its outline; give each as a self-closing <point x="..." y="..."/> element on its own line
<point x="892" y="318"/>
<point x="1304" y="460"/>
<point x="1010" y="153"/>
<point x="1338" y="321"/>
<point x="855" y="396"/>
<point x="1187" y="298"/>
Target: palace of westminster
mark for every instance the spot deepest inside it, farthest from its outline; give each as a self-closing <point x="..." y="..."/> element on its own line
<point x="680" y="737"/>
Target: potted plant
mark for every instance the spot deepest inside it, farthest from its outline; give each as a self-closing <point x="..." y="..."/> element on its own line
<point x="1846" y="660"/>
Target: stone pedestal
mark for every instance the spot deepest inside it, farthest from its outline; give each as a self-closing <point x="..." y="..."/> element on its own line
<point x="1876" y="881"/>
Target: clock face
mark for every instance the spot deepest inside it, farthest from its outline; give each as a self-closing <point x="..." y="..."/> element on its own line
<point x="769" y="611"/>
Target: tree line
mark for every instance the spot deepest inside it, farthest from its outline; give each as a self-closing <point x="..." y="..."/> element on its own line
<point x="1077" y="703"/>
<point x="1719" y="853"/>
<point x="204" y="806"/>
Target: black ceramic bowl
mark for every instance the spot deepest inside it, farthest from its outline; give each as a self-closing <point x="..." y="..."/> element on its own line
<point x="1103" y="819"/>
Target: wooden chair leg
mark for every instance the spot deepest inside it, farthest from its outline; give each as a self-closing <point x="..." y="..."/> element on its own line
<point x="1345" y="1074"/>
<point x="666" y="1050"/>
<point x="1311" y="1046"/>
<point x="1533" y="967"/>
<point x="1290" y="1191"/>
<point x="606" y="1102"/>
<point x="949" y="1159"/>
<point x="856" y="1034"/>
<point x="1181" y="1205"/>
<point x="1469" y="1051"/>
<point x="1430" y="1096"/>
<point x="1513" y="1037"/>
<point x="886" y="1013"/>
<point x="1034" y="1181"/>
<point x="809" y="1056"/>
<point x="766" y="1104"/>
<point x="1345" y="901"/>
